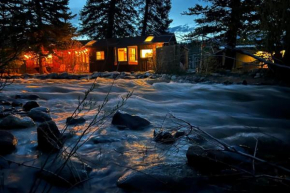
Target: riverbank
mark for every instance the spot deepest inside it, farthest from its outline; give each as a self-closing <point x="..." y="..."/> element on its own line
<point x="255" y="77"/>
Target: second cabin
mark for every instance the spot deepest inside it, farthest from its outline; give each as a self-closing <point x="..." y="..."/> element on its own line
<point x="128" y="54"/>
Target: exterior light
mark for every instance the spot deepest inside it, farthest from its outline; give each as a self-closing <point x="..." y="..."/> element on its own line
<point x="149" y="38"/>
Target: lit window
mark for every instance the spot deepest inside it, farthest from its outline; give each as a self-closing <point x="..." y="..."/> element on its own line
<point x="149" y="39"/>
<point x="146" y="53"/>
<point x="133" y="59"/>
<point x="122" y="54"/>
<point x="100" y="55"/>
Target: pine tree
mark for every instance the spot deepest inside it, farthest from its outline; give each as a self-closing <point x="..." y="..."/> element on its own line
<point x="225" y="20"/>
<point x="155" y="18"/>
<point x="275" y="26"/>
<point x="108" y="19"/>
<point x="48" y="26"/>
<point x="12" y="30"/>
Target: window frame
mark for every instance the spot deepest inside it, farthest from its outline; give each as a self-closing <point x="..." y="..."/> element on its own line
<point x="145" y="56"/>
<point x="126" y="55"/>
<point x="136" y="55"/>
<point x="102" y="55"/>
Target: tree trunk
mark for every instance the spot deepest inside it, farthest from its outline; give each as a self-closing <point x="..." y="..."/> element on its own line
<point x="232" y="33"/>
<point x="145" y="20"/>
<point x="111" y="18"/>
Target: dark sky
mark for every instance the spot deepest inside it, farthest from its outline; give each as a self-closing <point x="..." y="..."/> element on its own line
<point x="178" y="6"/>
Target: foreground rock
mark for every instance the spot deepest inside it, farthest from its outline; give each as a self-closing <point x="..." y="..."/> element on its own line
<point x="163" y="137"/>
<point x="16" y="122"/>
<point x="75" y="121"/>
<point x="49" y="137"/>
<point x="73" y="172"/>
<point x="215" y="160"/>
<point x="124" y="120"/>
<point x="30" y="105"/>
<point x="7" y="142"/>
<point x="38" y="115"/>
<point x="104" y="139"/>
<point x="163" y="177"/>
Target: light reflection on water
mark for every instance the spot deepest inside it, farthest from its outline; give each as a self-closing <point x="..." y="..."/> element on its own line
<point x="226" y="111"/>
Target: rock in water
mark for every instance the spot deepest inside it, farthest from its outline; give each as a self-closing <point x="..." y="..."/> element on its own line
<point x="124" y="120"/>
<point x="29" y="97"/>
<point x="38" y="115"/>
<point x="49" y="137"/>
<point x="43" y="109"/>
<point x="73" y="172"/>
<point x="7" y="142"/>
<point x="163" y="137"/>
<point x="75" y="121"/>
<point x="30" y="105"/>
<point x="15" y="122"/>
<point x="161" y="178"/>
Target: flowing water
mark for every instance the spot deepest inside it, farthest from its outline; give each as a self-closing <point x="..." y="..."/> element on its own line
<point x="229" y="112"/>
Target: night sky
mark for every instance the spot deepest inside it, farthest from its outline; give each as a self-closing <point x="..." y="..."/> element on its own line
<point x="178" y="6"/>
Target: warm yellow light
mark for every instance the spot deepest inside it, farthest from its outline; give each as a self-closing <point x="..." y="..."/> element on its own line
<point x="68" y="52"/>
<point x="149" y="38"/>
<point x="49" y="56"/>
<point x="146" y="53"/>
<point x="27" y="56"/>
<point x="283" y="53"/>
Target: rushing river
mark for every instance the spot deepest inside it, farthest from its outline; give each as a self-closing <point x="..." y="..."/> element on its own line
<point x="229" y="112"/>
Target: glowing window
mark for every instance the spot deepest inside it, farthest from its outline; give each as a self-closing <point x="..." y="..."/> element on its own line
<point x="122" y="54"/>
<point x="149" y="38"/>
<point x="100" y="55"/>
<point x="133" y="59"/>
<point x="146" y="53"/>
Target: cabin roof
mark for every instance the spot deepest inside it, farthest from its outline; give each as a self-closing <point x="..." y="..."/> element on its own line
<point x="130" y="41"/>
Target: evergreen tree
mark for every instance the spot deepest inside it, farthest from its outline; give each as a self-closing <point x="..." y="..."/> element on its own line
<point x="12" y="30"/>
<point x="49" y="26"/>
<point x="155" y="18"/>
<point x="225" y="20"/>
<point x="109" y="18"/>
<point x="275" y="26"/>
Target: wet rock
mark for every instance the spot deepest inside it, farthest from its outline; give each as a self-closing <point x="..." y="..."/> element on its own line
<point x="42" y="109"/>
<point x="73" y="172"/>
<point x="15" y="122"/>
<point x="124" y="120"/>
<point x="64" y="75"/>
<point x="95" y="75"/>
<point x="179" y="134"/>
<point x="52" y="76"/>
<point x="215" y="160"/>
<point x="104" y="139"/>
<point x="75" y="121"/>
<point x="38" y="115"/>
<point x="163" y="137"/>
<point x="30" y="105"/>
<point x="49" y="137"/>
<point x="5" y="103"/>
<point x="163" y="177"/>
<point x="244" y="82"/>
<point x="16" y="104"/>
<point x="28" y="97"/>
<point x="173" y="77"/>
<point x="7" y="142"/>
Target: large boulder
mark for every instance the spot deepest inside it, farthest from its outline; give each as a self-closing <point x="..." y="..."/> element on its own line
<point x="16" y="122"/>
<point x="39" y="115"/>
<point x="48" y="137"/>
<point x="124" y="120"/>
<point x="30" y="105"/>
<point x="162" y="178"/>
<point x="75" y="121"/>
<point x="7" y="142"/>
<point x="214" y="160"/>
